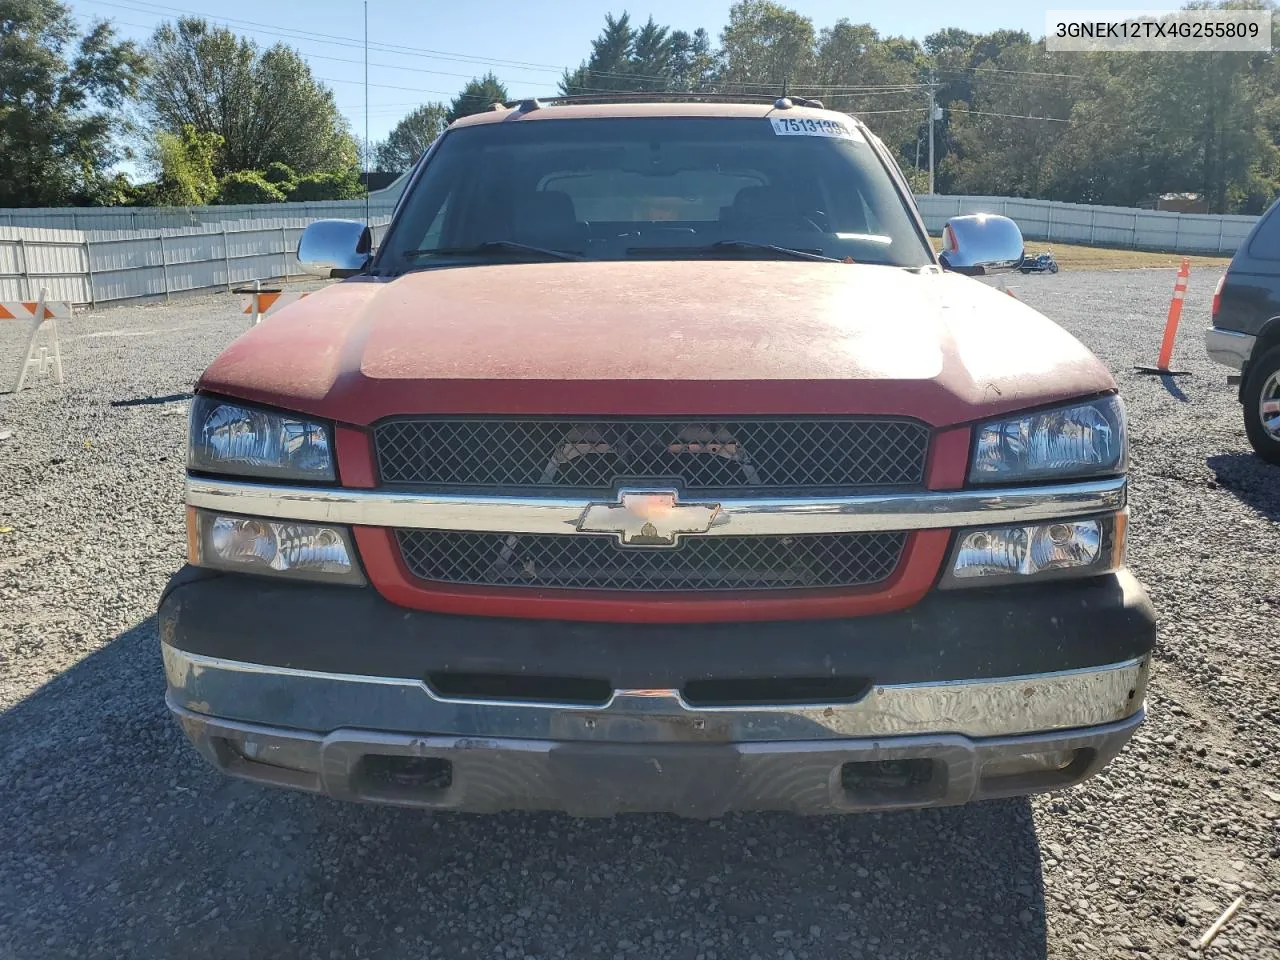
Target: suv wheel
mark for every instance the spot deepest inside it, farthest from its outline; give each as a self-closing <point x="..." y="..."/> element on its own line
<point x="1261" y="399"/>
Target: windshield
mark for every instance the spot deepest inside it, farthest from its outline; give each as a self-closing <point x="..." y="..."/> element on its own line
<point x="666" y="187"/>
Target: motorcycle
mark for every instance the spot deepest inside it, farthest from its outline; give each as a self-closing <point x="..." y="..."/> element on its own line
<point x="1042" y="263"/>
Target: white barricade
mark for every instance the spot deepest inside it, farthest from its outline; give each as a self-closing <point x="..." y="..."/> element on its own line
<point x="38" y="314"/>
<point x="261" y="303"/>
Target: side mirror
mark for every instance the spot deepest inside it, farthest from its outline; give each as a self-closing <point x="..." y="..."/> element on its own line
<point x="981" y="243"/>
<point x="335" y="248"/>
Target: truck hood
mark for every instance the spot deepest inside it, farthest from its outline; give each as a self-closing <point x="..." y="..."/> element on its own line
<point x="659" y="338"/>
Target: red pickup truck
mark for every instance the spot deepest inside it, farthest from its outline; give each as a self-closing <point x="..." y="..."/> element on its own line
<point x="654" y="461"/>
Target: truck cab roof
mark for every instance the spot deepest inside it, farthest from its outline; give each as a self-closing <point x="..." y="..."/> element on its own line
<point x="590" y="109"/>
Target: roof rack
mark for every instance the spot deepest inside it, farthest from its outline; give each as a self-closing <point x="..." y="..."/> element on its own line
<point x="653" y="96"/>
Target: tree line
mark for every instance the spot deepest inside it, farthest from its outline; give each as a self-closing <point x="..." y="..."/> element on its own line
<point x="1017" y="120"/>
<point x="211" y="116"/>
<point x="216" y="119"/>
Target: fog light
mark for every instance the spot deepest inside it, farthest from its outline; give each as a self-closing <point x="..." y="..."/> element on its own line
<point x="1063" y="547"/>
<point x="252" y="545"/>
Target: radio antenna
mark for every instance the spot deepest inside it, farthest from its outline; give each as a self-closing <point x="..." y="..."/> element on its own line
<point x="368" y="215"/>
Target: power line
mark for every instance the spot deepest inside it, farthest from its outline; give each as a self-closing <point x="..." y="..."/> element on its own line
<point x="162" y="11"/>
<point x="874" y="113"/>
<point x="275" y="30"/>
<point x="389" y="66"/>
<point x="1016" y="116"/>
<point x="849" y="91"/>
<point x="323" y="56"/>
<point x="443" y="93"/>
<point x="388" y="86"/>
<point x="1018" y="73"/>
<point x="159" y="9"/>
<point x="1080" y="121"/>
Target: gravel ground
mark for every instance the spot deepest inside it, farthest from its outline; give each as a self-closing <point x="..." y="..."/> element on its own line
<point x="117" y="841"/>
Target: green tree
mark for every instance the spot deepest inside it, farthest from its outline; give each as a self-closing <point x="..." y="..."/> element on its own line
<point x="477" y="96"/>
<point x="410" y="137"/>
<point x="281" y="174"/>
<point x="248" y="186"/>
<point x="991" y="145"/>
<point x="693" y="61"/>
<point x="61" y="95"/>
<point x="1017" y="119"/>
<point x="344" y="185"/>
<point x="917" y="180"/>
<point x="959" y="62"/>
<point x="765" y="45"/>
<point x="650" y="61"/>
<point x="1112" y="128"/>
<point x="265" y="105"/>
<point x="651" y="58"/>
<point x="1152" y="123"/>
<point x="118" y="191"/>
<point x="609" y="66"/>
<point x="184" y="162"/>
<point x="855" y="55"/>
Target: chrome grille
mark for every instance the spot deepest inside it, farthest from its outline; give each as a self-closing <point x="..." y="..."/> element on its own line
<point x="703" y="455"/>
<point x="585" y="562"/>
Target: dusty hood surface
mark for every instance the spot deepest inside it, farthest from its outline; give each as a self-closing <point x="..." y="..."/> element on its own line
<point x="685" y="337"/>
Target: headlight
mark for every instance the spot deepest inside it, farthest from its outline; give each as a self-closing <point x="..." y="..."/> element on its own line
<point x="303" y="551"/>
<point x="1061" y="548"/>
<point x="1081" y="440"/>
<point x="231" y="438"/>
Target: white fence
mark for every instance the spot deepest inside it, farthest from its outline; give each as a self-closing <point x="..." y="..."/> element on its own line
<point x="1050" y="220"/>
<point x="154" y="218"/>
<point x="184" y="251"/>
<point x="94" y="266"/>
<point x="1047" y="220"/>
<point x="381" y="203"/>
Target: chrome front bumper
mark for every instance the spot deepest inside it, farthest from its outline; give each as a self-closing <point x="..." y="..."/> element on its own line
<point x="1229" y="348"/>
<point x="773" y="516"/>
<point x="395" y="740"/>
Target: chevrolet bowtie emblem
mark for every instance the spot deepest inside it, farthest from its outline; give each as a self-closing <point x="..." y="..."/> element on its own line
<point x="649" y="518"/>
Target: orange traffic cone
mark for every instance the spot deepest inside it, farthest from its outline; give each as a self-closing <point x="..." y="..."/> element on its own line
<point x="1171" y="326"/>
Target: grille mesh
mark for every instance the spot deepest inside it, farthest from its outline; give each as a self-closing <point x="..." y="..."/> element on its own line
<point x="588" y="562"/>
<point x="597" y="455"/>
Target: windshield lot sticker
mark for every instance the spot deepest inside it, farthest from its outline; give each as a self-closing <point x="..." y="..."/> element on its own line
<point x="809" y="127"/>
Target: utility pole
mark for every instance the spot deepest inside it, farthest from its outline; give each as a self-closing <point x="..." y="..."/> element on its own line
<point x="933" y="109"/>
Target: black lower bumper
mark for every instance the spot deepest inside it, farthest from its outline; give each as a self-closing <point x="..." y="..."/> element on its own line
<point x="967" y="695"/>
<point x="492" y="774"/>
<point x="950" y="635"/>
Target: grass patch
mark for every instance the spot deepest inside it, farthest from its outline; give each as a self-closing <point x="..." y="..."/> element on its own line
<point x="1073" y="256"/>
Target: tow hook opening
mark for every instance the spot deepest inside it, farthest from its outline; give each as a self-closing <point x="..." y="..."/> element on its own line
<point x="906" y="781"/>
<point x="404" y="777"/>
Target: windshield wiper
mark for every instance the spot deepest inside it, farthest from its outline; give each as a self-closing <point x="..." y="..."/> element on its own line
<point x="490" y="246"/>
<point x="719" y="245"/>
